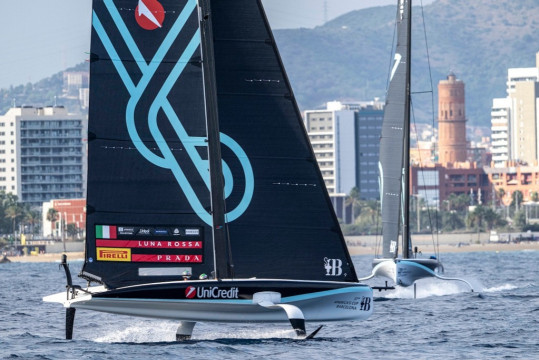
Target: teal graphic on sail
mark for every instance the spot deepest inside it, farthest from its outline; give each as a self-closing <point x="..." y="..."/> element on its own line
<point x="161" y="103"/>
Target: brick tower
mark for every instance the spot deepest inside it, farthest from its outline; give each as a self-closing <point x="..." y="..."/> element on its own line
<point x="451" y="121"/>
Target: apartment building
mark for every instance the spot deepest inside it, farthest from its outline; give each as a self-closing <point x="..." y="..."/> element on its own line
<point x="41" y="154"/>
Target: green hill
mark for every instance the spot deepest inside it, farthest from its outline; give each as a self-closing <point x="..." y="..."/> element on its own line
<point x="349" y="57"/>
<point x="42" y="93"/>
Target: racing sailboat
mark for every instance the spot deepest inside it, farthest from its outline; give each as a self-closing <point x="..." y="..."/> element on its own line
<point x="399" y="262"/>
<point x="205" y="201"/>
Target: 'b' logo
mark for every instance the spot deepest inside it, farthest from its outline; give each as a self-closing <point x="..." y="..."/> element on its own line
<point x="333" y="267"/>
<point x="365" y="304"/>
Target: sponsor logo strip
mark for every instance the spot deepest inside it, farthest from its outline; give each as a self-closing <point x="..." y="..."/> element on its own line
<point x="167" y="258"/>
<point x="113" y="254"/>
<point x="150" y="244"/>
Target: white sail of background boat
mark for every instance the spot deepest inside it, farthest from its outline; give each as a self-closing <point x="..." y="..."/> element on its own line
<point x="399" y="262"/>
<point x="205" y="201"/>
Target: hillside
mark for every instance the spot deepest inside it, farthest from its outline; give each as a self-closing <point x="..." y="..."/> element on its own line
<point x="42" y="93"/>
<point x="349" y="57"/>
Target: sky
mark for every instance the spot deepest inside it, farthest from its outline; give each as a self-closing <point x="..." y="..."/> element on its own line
<point x="40" y="38"/>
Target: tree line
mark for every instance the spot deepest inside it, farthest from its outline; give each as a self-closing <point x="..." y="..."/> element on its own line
<point x="456" y="214"/>
<point x="18" y="218"/>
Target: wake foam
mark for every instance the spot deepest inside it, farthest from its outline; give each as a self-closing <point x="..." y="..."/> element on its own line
<point x="148" y="331"/>
<point x="499" y="288"/>
<point x="428" y="287"/>
<point x="138" y="332"/>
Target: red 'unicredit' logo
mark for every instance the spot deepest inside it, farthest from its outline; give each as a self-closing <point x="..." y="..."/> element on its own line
<point x="149" y="14"/>
<point x="190" y="292"/>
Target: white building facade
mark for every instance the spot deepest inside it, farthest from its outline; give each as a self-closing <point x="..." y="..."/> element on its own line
<point x="42" y="154"/>
<point x="331" y="132"/>
<point x="518" y="117"/>
<point x="500" y="117"/>
<point x="346" y="141"/>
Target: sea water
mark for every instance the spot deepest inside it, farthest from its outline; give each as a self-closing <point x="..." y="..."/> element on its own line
<point x="499" y="320"/>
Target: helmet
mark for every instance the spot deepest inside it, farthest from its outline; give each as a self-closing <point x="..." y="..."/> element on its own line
<point x="186" y="273"/>
<point x="203" y="276"/>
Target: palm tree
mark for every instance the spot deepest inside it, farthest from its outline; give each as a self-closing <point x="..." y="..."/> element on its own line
<point x="491" y="217"/>
<point x="517" y="198"/>
<point x="354" y="201"/>
<point x="72" y="230"/>
<point x="32" y="217"/>
<point x="458" y="202"/>
<point x="372" y="208"/>
<point x="476" y="217"/>
<point x="452" y="220"/>
<point x="14" y="212"/>
<point x="52" y="216"/>
<point x="500" y="193"/>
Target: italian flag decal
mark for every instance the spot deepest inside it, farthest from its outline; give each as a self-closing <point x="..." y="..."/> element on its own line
<point x="105" y="232"/>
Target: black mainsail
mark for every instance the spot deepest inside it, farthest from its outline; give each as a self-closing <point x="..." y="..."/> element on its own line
<point x="290" y="211"/>
<point x="198" y="157"/>
<point x="205" y="200"/>
<point x="395" y="140"/>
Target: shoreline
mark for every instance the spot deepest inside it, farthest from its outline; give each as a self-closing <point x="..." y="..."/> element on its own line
<point x="355" y="248"/>
<point x="48" y="257"/>
<point x="428" y="250"/>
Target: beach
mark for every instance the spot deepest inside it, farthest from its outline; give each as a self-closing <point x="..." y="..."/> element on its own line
<point x="428" y="249"/>
<point x="48" y="257"/>
<point x="431" y="244"/>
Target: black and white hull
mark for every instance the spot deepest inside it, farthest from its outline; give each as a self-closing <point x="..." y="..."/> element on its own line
<point x="199" y="164"/>
<point x="227" y="300"/>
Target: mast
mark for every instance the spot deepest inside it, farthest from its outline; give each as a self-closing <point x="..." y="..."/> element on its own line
<point x="406" y="241"/>
<point x="222" y="255"/>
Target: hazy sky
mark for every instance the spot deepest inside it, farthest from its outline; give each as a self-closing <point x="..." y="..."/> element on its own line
<point x="41" y="37"/>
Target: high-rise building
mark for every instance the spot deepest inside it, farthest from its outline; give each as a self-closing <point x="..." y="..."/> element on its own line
<point x="41" y="154"/>
<point x="369" y="118"/>
<point x="331" y="132"/>
<point x="451" y="121"/>
<point x="346" y="140"/>
<point x="500" y="127"/>
<point x="524" y="114"/>
<point x="521" y="109"/>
